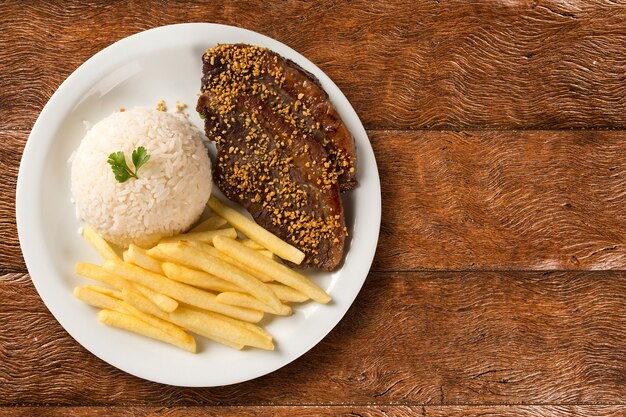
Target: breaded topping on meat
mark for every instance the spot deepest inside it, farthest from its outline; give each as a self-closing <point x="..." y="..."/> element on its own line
<point x="283" y="151"/>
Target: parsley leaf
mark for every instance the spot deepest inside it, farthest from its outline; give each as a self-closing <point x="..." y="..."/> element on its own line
<point x="140" y="157"/>
<point x="117" y="160"/>
<point x="122" y="172"/>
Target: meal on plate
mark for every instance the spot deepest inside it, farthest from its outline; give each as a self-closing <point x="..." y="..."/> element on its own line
<point x="178" y="260"/>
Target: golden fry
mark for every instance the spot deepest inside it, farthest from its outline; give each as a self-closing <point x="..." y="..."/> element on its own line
<point x="288" y="294"/>
<point x="211" y="223"/>
<point x="100" y="300"/>
<point x="96" y="272"/>
<point x="206" y="236"/>
<point x="196" y="278"/>
<point x="248" y="301"/>
<point x="221" y="255"/>
<point x="228" y="343"/>
<point x="255" y="232"/>
<point x="95" y="298"/>
<point x="102" y="246"/>
<point x="133" y="324"/>
<point x="140" y="302"/>
<point x="179" y="291"/>
<point x="251" y="244"/>
<point x="165" y="303"/>
<point x="186" y="254"/>
<point x="111" y="292"/>
<point x="267" y="254"/>
<point x="138" y="256"/>
<point x="250" y="326"/>
<point x="207" y="281"/>
<point x="280" y="273"/>
<point x="211" y="325"/>
<point x="159" y="323"/>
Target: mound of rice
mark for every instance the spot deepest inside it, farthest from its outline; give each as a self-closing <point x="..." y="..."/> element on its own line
<point x="171" y="191"/>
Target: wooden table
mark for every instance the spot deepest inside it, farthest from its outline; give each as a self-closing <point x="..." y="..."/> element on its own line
<point x="498" y="286"/>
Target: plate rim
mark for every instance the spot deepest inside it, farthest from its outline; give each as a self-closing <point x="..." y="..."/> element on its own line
<point x="26" y="202"/>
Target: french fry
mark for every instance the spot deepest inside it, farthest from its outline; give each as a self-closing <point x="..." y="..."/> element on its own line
<point x="206" y="236"/>
<point x="248" y="301"/>
<point x="267" y="254"/>
<point x="143" y="304"/>
<point x="228" y="343"/>
<point x="251" y="244"/>
<point x="133" y="324"/>
<point x="280" y="273"/>
<point x="186" y="254"/>
<point x="250" y="326"/>
<point x="102" y="246"/>
<point x="111" y="292"/>
<point x="140" y="302"/>
<point x="95" y="298"/>
<point x="100" y="300"/>
<point x="255" y="232"/>
<point x="179" y="291"/>
<point x="160" y="323"/>
<point x="209" y="325"/>
<point x="96" y="273"/>
<point x="211" y="223"/>
<point x="221" y="255"/>
<point x="288" y="294"/>
<point x="164" y="302"/>
<point x="196" y="278"/>
<point x="138" y="256"/>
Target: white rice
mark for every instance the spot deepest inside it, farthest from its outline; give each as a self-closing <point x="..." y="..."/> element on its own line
<point x="171" y="191"/>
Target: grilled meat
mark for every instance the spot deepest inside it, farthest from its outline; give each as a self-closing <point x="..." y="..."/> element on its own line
<point x="283" y="151"/>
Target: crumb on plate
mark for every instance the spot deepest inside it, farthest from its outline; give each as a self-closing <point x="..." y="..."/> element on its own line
<point x="180" y="107"/>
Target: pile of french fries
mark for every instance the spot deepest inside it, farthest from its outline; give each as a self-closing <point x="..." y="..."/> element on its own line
<point x="216" y="281"/>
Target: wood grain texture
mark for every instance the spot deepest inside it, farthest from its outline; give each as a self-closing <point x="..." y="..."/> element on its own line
<point x="502" y="200"/>
<point x="404" y="64"/>
<point x="314" y="411"/>
<point x="11" y="147"/>
<point x="416" y="342"/>
<point x="411" y="338"/>
<point x="470" y="200"/>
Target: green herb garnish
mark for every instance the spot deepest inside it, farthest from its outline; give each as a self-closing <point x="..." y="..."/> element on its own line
<point x="122" y="172"/>
<point x="202" y="116"/>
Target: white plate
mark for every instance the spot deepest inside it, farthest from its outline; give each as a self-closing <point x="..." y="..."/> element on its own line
<point x="165" y="63"/>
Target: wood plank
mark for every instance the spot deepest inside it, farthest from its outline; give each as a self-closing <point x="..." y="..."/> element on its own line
<point x="502" y="200"/>
<point x="449" y="338"/>
<point x="314" y="411"/>
<point x="402" y="63"/>
<point x="531" y="200"/>
<point x="11" y="148"/>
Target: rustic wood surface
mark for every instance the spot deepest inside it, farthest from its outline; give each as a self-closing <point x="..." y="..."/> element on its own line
<point x="471" y="200"/>
<point x="402" y="64"/>
<point x="499" y="284"/>
<point x="449" y="338"/>
<point x="315" y="411"/>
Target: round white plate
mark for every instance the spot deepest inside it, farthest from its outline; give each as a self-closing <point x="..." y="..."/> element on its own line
<point x="165" y="63"/>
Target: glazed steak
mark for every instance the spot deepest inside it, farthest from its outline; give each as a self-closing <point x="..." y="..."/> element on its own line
<point x="283" y="151"/>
